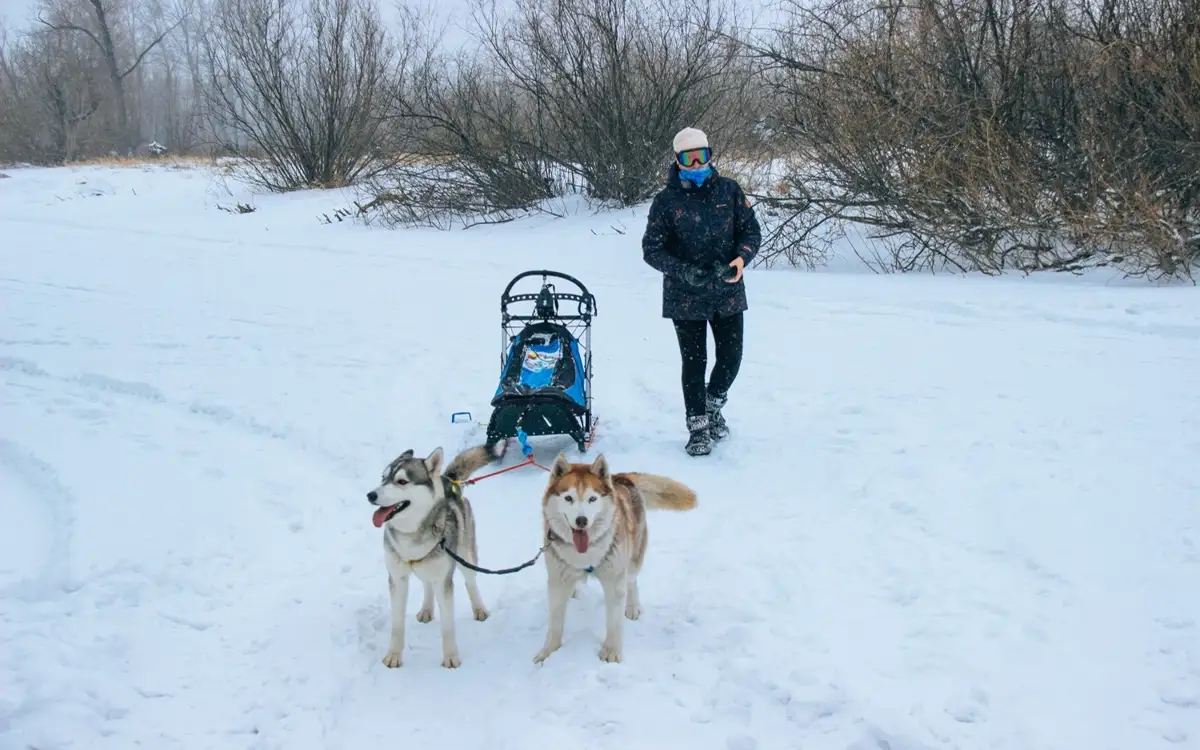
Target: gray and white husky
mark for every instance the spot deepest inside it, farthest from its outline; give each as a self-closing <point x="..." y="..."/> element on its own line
<point x="420" y="509"/>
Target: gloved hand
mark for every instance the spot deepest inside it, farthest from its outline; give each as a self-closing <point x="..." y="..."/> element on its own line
<point x="697" y="275"/>
<point x="700" y="276"/>
<point x="723" y="271"/>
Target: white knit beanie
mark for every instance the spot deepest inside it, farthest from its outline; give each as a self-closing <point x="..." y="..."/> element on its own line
<point x="689" y="138"/>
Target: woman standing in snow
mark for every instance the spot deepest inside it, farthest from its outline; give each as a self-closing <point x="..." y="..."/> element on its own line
<point x="700" y="234"/>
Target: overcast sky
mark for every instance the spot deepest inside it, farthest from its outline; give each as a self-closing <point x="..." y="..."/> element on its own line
<point x="13" y="11"/>
<point x="16" y="13"/>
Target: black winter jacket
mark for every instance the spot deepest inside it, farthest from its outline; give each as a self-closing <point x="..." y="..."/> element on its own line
<point x="700" y="226"/>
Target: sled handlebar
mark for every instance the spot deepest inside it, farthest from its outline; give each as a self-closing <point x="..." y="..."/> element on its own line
<point x="587" y="302"/>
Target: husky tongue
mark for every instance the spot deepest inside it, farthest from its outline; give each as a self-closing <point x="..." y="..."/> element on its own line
<point x="380" y="515"/>
<point x="580" y="539"/>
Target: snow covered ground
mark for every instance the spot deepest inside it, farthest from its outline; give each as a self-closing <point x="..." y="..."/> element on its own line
<point x="954" y="513"/>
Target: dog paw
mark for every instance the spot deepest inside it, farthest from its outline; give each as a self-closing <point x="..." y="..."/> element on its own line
<point x="633" y="611"/>
<point x="425" y="615"/>
<point x="392" y="659"/>
<point x="544" y="654"/>
<point x="452" y="661"/>
<point x="610" y="654"/>
<point x="481" y="613"/>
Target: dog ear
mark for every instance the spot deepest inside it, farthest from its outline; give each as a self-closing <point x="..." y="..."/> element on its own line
<point x="599" y="467"/>
<point x="433" y="464"/>
<point x="560" y="467"/>
<point x="390" y="469"/>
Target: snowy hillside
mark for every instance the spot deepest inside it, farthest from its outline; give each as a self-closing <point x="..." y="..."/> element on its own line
<point x="954" y="513"/>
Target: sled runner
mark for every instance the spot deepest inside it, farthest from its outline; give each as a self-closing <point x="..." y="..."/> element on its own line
<point x="545" y="383"/>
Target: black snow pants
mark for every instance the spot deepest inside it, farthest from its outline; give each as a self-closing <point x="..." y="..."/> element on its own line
<point x="693" y="350"/>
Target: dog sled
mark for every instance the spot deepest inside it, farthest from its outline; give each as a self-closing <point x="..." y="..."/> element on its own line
<point x="545" y="385"/>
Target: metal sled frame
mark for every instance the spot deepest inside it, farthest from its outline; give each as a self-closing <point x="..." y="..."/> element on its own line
<point x="540" y="414"/>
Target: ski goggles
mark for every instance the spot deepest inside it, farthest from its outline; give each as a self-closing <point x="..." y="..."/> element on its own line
<point x="694" y="157"/>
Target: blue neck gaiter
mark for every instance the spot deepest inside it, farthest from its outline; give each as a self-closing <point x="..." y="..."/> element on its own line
<point x="696" y="176"/>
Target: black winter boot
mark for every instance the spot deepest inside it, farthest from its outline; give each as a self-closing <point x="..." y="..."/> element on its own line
<point x="717" y="427"/>
<point x="700" y="441"/>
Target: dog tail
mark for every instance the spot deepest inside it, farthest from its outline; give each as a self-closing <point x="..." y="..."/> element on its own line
<point x="473" y="459"/>
<point x="662" y="493"/>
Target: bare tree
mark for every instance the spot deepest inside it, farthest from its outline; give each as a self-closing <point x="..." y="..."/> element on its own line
<point x="14" y="125"/>
<point x="96" y="23"/>
<point x="6" y="74"/>
<point x="192" y="127"/>
<point x="49" y="91"/>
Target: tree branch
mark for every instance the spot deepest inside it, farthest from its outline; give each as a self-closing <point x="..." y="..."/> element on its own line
<point x="151" y="46"/>
<point x="71" y="27"/>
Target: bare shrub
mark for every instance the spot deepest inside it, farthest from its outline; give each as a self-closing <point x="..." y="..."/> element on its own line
<point x="570" y="97"/>
<point x="1139" y="162"/>
<point x="466" y="136"/>
<point x="298" y="88"/>
<point x="986" y="135"/>
<point x="610" y="81"/>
